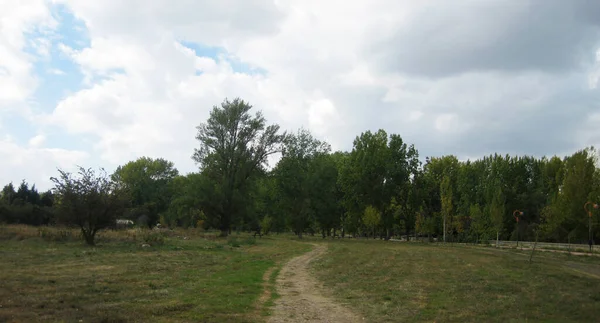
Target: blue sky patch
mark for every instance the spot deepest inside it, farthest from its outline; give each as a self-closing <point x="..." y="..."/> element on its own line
<point x="58" y="75"/>
<point x="214" y="52"/>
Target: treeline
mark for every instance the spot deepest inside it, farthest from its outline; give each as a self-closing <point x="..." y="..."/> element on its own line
<point x="380" y="189"/>
<point x="26" y="205"/>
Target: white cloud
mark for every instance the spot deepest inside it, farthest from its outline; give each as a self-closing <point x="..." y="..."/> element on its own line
<point x="37" y="141"/>
<point x="56" y="71"/>
<point x="17" y="18"/>
<point x="449" y="79"/>
<point x="35" y="165"/>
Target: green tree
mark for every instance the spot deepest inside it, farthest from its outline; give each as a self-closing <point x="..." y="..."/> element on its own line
<point x="497" y="211"/>
<point x="91" y="202"/>
<point x="234" y="147"/>
<point x="296" y="179"/>
<point x="324" y="192"/>
<point x="149" y="183"/>
<point x="185" y="207"/>
<point x="371" y="218"/>
<point x="8" y="194"/>
<point x="565" y="215"/>
<point x="446" y="201"/>
<point x="365" y="175"/>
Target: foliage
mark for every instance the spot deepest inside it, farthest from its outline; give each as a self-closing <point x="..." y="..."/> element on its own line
<point x="314" y="190"/>
<point x="234" y="147"/>
<point x="371" y="218"/>
<point x="148" y="182"/>
<point x="304" y="180"/>
<point x="91" y="202"/>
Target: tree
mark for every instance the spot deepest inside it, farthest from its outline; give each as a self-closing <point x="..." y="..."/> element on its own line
<point x="324" y="192"/>
<point x="497" y="211"/>
<point x="185" y="206"/>
<point x="234" y="147"/>
<point x="371" y="218"/>
<point x="446" y="196"/>
<point x="365" y="176"/>
<point x="297" y="178"/>
<point x="91" y="202"/>
<point x="481" y="224"/>
<point x="8" y="194"/>
<point x="148" y="182"/>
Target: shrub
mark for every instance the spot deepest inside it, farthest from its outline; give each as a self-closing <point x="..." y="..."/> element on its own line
<point x="57" y="235"/>
<point x="153" y="238"/>
<point x="237" y="242"/>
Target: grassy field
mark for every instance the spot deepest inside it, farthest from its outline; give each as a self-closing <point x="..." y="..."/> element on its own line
<point x="187" y="276"/>
<point x="48" y="275"/>
<point x="407" y="282"/>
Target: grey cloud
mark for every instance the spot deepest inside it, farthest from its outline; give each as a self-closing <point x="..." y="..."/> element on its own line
<point x="550" y="126"/>
<point x="446" y="39"/>
<point x="195" y="20"/>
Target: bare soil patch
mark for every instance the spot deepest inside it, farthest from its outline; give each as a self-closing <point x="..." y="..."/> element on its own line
<point x="301" y="299"/>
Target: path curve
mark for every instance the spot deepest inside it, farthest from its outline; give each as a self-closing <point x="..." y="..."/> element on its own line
<point x="300" y="298"/>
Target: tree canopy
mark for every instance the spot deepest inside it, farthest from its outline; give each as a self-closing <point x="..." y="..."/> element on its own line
<point x="380" y="188"/>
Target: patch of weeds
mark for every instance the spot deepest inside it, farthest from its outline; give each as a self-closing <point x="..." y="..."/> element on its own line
<point x="57" y="235"/>
<point x="238" y="242"/>
<point x="234" y="242"/>
<point x="153" y="238"/>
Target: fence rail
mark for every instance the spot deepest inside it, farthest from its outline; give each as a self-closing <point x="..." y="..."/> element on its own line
<point x="545" y="245"/>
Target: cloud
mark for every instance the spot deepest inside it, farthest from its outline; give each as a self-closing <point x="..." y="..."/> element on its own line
<point x="37" y="141"/>
<point x="56" y="71"/>
<point x="441" y="39"/>
<point x="17" y="20"/>
<point x="482" y="77"/>
<point x="35" y="165"/>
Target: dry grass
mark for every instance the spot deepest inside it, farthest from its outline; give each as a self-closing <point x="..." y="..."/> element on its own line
<point x="190" y="277"/>
<point x="401" y="282"/>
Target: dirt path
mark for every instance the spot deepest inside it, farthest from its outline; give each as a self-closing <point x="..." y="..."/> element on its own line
<point x="300" y="298"/>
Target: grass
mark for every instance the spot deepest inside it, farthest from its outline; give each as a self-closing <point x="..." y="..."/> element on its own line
<point x="405" y="282"/>
<point x="182" y="277"/>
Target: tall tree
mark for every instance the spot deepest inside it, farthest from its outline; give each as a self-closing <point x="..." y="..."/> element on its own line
<point x="365" y="175"/>
<point x="234" y="146"/>
<point x="8" y="194"/>
<point x="446" y="196"/>
<point x="497" y="211"/>
<point x="296" y="177"/>
<point x="148" y="181"/>
<point x="325" y="192"/>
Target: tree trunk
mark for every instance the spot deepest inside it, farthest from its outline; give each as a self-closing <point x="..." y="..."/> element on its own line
<point x="497" y="238"/>
<point x="533" y="250"/>
<point x="89" y="237"/>
<point x="444" y="228"/>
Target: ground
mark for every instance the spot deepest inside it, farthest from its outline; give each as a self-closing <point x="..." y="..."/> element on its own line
<point x="300" y="294"/>
<point x="401" y="282"/>
<point x="185" y="279"/>
<point x="186" y="276"/>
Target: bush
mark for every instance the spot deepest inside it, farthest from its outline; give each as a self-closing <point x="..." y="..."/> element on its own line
<point x="234" y="242"/>
<point x="57" y="235"/>
<point x="153" y="238"/>
<point x="237" y="242"/>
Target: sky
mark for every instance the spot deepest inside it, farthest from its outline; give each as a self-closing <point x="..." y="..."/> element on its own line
<point x="100" y="83"/>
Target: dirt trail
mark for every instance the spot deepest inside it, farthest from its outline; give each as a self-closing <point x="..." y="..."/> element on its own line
<point x="300" y="297"/>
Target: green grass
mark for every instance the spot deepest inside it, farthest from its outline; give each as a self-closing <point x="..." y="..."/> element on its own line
<point x="406" y="282"/>
<point x="181" y="280"/>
